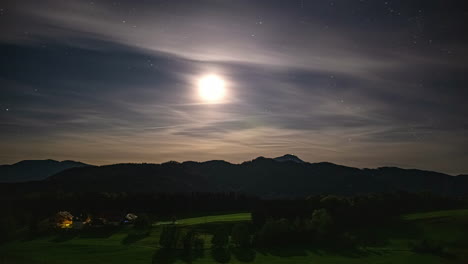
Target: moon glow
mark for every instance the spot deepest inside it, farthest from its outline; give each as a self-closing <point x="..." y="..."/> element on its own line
<point x="211" y="88"/>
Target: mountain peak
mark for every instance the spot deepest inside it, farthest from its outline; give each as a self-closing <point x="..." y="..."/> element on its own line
<point x="289" y="157"/>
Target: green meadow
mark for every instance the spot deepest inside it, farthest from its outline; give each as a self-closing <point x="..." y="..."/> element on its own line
<point x="211" y="219"/>
<point x="450" y="228"/>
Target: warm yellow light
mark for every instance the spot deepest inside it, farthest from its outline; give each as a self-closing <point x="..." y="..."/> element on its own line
<point x="211" y="88"/>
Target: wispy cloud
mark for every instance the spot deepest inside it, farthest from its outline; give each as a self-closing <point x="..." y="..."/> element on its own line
<point x="106" y="82"/>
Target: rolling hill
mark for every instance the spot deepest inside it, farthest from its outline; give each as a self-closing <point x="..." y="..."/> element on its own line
<point x="34" y="170"/>
<point x="264" y="177"/>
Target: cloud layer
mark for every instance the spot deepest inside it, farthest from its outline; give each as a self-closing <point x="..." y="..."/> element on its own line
<point x="358" y="83"/>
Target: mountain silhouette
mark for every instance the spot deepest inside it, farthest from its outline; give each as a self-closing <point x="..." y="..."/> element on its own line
<point x="265" y="177"/>
<point x="289" y="157"/>
<point x="33" y="170"/>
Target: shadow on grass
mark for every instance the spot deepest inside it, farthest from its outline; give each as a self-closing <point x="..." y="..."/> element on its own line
<point x="31" y="237"/>
<point x="99" y="232"/>
<point x="374" y="252"/>
<point x="290" y="251"/>
<point x="164" y="256"/>
<point x="221" y="255"/>
<point x="65" y="236"/>
<point x="378" y="236"/>
<point x="305" y="250"/>
<point x="348" y="252"/>
<point x="211" y="227"/>
<point x="134" y="237"/>
<point x="191" y="255"/>
<point x="431" y="247"/>
<point x="94" y="232"/>
<point x="169" y="256"/>
<point x="244" y="254"/>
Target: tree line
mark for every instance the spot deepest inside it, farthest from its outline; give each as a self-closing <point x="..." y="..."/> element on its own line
<point x="274" y="222"/>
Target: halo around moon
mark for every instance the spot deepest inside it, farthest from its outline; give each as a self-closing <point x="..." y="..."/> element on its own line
<point x="211" y="88"/>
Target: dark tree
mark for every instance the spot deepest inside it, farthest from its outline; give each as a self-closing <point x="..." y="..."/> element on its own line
<point x="33" y="226"/>
<point x="275" y="232"/>
<point x="7" y="228"/>
<point x="142" y="222"/>
<point x="169" y="237"/>
<point x="188" y="240"/>
<point x="321" y="221"/>
<point x="240" y="235"/>
<point x="220" y="237"/>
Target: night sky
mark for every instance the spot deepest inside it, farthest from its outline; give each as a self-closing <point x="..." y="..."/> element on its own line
<point x="355" y="82"/>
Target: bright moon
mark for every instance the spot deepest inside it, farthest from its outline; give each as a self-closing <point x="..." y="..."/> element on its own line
<point x="211" y="88"/>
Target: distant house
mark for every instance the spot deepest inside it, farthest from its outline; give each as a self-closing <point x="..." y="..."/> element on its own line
<point x="108" y="218"/>
<point x="78" y="225"/>
<point x="79" y="222"/>
<point x="114" y="219"/>
<point x="97" y="222"/>
<point x="63" y="219"/>
<point x="130" y="218"/>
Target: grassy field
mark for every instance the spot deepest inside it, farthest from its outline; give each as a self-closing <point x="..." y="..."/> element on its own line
<point x="437" y="214"/>
<point x="216" y="218"/>
<point x="209" y="219"/>
<point x="113" y="246"/>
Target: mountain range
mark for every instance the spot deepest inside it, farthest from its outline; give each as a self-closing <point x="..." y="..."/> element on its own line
<point x="33" y="170"/>
<point x="286" y="176"/>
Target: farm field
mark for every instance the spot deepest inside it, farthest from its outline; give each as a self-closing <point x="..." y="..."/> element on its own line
<point x="113" y="246"/>
<point x="210" y="219"/>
